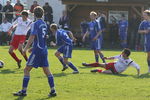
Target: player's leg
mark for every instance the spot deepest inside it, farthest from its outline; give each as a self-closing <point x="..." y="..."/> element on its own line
<point x="148" y="60"/>
<point x="20" y="48"/>
<point x="107" y="72"/>
<point x="71" y="65"/>
<point x="94" y="64"/>
<point x="57" y="54"/>
<point x="96" y="56"/>
<point x="11" y="49"/>
<point x="50" y="81"/>
<point x="25" y="82"/>
<point x="101" y="56"/>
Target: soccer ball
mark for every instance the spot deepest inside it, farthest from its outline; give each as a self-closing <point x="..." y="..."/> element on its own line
<point x="1" y="64"/>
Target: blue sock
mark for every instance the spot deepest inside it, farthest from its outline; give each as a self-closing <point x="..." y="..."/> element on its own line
<point x="25" y="82"/>
<point x="102" y="56"/>
<point x="72" y="66"/>
<point x="96" y="58"/>
<point x="51" y="82"/>
<point x="62" y="62"/>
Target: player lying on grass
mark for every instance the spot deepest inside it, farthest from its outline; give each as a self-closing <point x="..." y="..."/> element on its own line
<point x="117" y="67"/>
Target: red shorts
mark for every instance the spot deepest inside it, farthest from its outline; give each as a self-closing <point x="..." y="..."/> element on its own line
<point x="110" y="66"/>
<point x="17" y="39"/>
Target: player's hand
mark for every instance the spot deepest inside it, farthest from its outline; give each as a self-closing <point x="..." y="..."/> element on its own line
<point x="74" y="39"/>
<point x="94" y="39"/>
<point x="52" y="44"/>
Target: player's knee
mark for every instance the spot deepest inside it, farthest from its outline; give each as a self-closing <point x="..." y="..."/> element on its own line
<point x="10" y="51"/>
<point x="66" y="61"/>
<point x="26" y="70"/>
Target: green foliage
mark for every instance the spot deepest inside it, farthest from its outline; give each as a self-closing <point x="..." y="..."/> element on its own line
<point x="83" y="86"/>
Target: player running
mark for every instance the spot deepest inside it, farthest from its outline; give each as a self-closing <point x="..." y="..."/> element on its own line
<point x="94" y="31"/>
<point x="22" y="25"/>
<point x="116" y="67"/>
<point x="144" y="28"/>
<point x="38" y="57"/>
<point x="63" y="40"/>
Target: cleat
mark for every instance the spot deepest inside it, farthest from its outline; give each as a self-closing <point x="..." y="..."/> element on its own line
<point x="94" y="71"/>
<point x="75" y="72"/>
<point x="20" y="93"/>
<point x="84" y="64"/>
<point x="19" y="63"/>
<point x="64" y="68"/>
<point x="52" y="94"/>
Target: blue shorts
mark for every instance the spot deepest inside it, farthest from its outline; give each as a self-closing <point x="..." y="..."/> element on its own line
<point x="147" y="48"/>
<point x="96" y="45"/>
<point x="38" y="60"/>
<point x="66" y="50"/>
<point x="123" y="36"/>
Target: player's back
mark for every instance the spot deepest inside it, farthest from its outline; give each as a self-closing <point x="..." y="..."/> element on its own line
<point x="39" y="29"/>
<point x="63" y="38"/>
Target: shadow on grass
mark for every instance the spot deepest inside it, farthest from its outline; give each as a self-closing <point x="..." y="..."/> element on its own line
<point x="146" y="75"/>
<point x="20" y="98"/>
<point x="6" y="71"/>
<point x="61" y="74"/>
<point x="47" y="98"/>
<point x="85" y="67"/>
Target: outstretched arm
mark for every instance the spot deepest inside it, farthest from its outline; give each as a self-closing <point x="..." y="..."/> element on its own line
<point x="137" y="67"/>
<point x="111" y="58"/>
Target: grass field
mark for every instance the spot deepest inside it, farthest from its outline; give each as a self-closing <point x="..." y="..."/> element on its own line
<point x="83" y="86"/>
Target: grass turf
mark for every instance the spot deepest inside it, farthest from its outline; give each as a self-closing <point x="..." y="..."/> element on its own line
<point x="83" y="86"/>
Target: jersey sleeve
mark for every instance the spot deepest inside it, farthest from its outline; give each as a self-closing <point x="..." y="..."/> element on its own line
<point x="33" y="29"/>
<point x="141" y="26"/>
<point x="66" y="38"/>
<point x="15" y="22"/>
<point x="135" y="65"/>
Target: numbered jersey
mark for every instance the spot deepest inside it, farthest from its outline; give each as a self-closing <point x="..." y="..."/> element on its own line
<point x="39" y="29"/>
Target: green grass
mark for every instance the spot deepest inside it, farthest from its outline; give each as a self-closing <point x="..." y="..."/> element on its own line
<point x="83" y="86"/>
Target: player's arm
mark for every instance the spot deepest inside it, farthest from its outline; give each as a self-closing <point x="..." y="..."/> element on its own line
<point x="99" y="32"/>
<point x="14" y="25"/>
<point x="142" y="30"/>
<point x="30" y="41"/>
<point x="71" y="36"/>
<point x="137" y="67"/>
<point x="84" y="36"/>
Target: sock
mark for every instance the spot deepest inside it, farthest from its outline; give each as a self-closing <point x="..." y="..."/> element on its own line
<point x="72" y="66"/>
<point x="94" y="64"/>
<point x="99" y="70"/>
<point x="14" y="56"/>
<point x="51" y="82"/>
<point x="102" y="56"/>
<point x="96" y="58"/>
<point x="25" y="82"/>
<point x="62" y="62"/>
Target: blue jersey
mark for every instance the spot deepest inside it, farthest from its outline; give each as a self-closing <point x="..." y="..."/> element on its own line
<point x="93" y="29"/>
<point x="39" y="29"/>
<point x="62" y="38"/>
<point x="145" y="25"/>
<point x="38" y="57"/>
<point x="123" y="25"/>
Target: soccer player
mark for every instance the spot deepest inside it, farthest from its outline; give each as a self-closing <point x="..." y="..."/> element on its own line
<point x="94" y="31"/>
<point x="116" y="67"/>
<point x="123" y="28"/>
<point x="38" y="57"/>
<point x="63" y="40"/>
<point x="144" y="28"/>
<point x="22" y="25"/>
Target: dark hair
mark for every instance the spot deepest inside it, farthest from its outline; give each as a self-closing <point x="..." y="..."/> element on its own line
<point x="127" y="52"/>
<point x="54" y="26"/>
<point x="38" y="12"/>
<point x="25" y="13"/>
